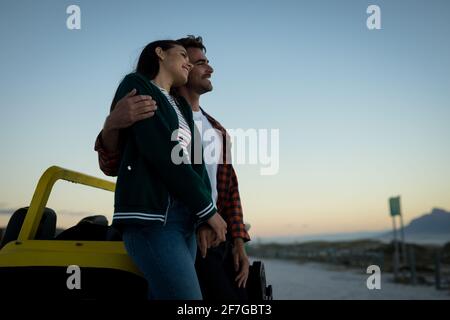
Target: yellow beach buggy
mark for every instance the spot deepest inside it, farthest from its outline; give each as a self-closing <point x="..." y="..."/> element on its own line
<point x="85" y="261"/>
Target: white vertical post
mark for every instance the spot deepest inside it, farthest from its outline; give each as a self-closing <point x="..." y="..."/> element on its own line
<point x="402" y="234"/>
<point x="396" y="257"/>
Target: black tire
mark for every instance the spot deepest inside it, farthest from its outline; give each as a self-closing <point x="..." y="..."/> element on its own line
<point x="257" y="282"/>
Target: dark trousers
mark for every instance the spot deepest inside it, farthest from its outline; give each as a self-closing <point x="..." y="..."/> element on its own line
<point x="216" y="274"/>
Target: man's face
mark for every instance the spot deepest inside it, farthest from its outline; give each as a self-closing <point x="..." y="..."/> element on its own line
<point x="199" y="77"/>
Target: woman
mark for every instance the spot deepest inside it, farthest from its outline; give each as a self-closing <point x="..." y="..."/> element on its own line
<point x="158" y="200"/>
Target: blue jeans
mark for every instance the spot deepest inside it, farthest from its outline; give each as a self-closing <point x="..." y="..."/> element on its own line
<point x="165" y="254"/>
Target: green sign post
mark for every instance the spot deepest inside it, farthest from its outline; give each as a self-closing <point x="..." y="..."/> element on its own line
<point x="395" y="210"/>
<point x="394" y="205"/>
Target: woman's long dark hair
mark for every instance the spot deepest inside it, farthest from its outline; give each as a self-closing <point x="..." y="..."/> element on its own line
<point x="148" y="64"/>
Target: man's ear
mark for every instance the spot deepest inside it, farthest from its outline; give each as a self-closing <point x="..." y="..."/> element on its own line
<point x="160" y="53"/>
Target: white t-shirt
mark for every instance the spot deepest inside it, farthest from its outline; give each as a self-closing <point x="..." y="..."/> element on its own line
<point x="212" y="148"/>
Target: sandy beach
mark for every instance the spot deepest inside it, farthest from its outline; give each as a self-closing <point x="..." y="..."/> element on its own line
<point x="295" y="281"/>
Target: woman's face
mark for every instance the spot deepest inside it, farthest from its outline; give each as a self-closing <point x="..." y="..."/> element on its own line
<point x="176" y="62"/>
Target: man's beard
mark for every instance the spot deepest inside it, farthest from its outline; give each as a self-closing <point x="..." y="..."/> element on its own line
<point x="203" y="88"/>
<point x="207" y="88"/>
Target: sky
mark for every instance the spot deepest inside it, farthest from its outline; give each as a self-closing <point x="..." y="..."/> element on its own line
<point x="362" y="114"/>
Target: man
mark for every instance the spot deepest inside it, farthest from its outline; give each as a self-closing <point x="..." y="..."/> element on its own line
<point x="215" y="265"/>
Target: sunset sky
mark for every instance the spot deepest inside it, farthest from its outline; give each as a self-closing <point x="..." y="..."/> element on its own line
<point x="362" y="114"/>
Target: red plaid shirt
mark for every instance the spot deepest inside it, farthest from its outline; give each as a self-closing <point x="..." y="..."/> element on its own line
<point x="228" y="198"/>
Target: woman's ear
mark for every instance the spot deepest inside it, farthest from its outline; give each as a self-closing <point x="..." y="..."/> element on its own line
<point x="160" y="53"/>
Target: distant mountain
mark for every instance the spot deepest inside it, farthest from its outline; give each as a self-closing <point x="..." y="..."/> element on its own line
<point x="430" y="228"/>
<point x="438" y="221"/>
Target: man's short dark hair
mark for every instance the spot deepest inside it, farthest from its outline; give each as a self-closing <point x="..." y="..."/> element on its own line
<point x="192" y="42"/>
